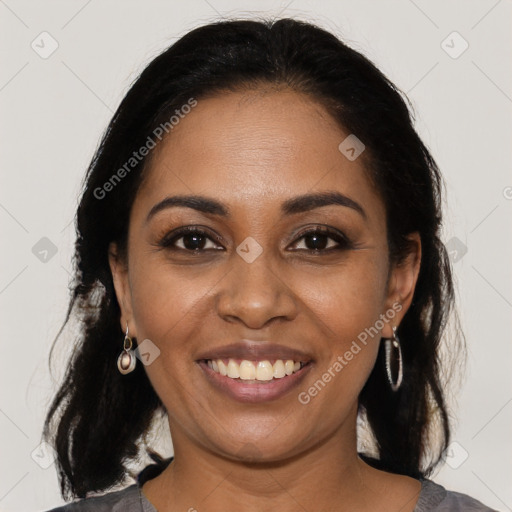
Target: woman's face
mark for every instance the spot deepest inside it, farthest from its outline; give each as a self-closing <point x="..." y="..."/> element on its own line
<point x="255" y="275"/>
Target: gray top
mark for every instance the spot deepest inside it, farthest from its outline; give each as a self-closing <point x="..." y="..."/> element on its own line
<point x="433" y="498"/>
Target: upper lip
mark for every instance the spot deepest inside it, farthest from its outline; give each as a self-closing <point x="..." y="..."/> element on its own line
<point x="255" y="350"/>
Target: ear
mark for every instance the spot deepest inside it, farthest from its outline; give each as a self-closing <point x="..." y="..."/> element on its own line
<point x="402" y="283"/>
<point x="119" y="269"/>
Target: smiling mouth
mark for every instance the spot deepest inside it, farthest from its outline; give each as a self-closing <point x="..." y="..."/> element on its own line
<point x="255" y="381"/>
<point x="255" y="371"/>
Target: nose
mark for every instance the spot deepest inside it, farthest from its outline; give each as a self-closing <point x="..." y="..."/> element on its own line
<point x="255" y="295"/>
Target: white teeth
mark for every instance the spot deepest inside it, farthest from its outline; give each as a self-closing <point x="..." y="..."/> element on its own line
<point x="257" y="370"/>
<point x="247" y="370"/>
<point x="264" y="371"/>
<point x="222" y="368"/>
<point x="233" y="369"/>
<point x="279" y="372"/>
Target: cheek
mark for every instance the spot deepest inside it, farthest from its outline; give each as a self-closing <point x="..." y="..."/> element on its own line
<point x="166" y="302"/>
<point x="166" y="308"/>
<point x="347" y="306"/>
<point x="347" y="299"/>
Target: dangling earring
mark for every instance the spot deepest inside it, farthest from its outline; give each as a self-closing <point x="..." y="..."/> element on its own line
<point x="390" y="345"/>
<point x="126" y="360"/>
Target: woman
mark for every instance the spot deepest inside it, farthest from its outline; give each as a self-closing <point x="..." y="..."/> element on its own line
<point x="258" y="258"/>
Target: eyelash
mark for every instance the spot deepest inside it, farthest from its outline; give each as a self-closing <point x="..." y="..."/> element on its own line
<point x="344" y="243"/>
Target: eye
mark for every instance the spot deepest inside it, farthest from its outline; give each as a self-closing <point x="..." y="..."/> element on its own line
<point x="191" y="239"/>
<point x="323" y="239"/>
<point x="196" y="240"/>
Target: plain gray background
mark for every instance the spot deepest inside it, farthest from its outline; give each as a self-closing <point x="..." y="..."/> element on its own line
<point x="55" y="107"/>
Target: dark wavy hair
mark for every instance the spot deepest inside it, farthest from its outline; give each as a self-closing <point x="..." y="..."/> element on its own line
<point x="98" y="418"/>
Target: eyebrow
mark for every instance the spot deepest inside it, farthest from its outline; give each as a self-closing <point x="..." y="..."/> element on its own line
<point x="293" y="206"/>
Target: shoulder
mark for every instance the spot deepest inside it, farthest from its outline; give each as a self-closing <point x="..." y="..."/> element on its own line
<point x="436" y="498"/>
<point x="130" y="499"/>
<point x="126" y="500"/>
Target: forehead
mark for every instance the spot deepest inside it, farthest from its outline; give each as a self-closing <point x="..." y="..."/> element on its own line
<point x="256" y="148"/>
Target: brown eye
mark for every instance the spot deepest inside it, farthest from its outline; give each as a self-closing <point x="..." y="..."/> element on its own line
<point x="323" y="240"/>
<point x="190" y="239"/>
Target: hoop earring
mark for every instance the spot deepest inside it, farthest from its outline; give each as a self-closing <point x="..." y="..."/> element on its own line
<point x="126" y="360"/>
<point x="394" y="344"/>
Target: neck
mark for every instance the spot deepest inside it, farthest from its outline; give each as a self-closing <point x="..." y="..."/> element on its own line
<point x="198" y="479"/>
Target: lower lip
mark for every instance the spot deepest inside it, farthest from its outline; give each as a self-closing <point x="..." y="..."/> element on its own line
<point x="263" y="391"/>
